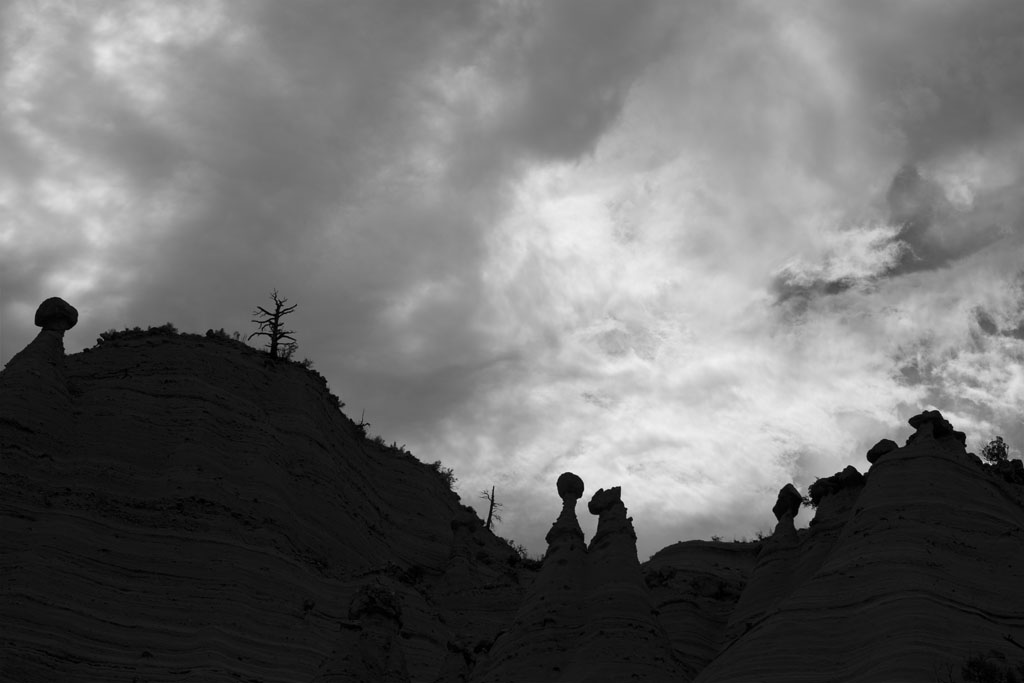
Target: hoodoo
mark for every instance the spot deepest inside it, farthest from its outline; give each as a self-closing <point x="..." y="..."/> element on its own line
<point x="541" y="640"/>
<point x="34" y="388"/>
<point x="233" y="525"/>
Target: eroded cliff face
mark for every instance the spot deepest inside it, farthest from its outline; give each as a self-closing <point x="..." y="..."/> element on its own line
<point x="182" y="508"/>
<point x="897" y="578"/>
<point x="589" y="616"/>
<point x="179" y="508"/>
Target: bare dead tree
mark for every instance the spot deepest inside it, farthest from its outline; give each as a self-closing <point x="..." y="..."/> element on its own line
<point x="492" y="510"/>
<point x="272" y="327"/>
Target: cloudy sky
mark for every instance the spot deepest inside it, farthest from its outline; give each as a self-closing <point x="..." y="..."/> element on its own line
<point x="694" y="249"/>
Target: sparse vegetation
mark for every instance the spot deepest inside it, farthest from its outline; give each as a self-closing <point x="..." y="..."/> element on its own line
<point x="995" y="451"/>
<point x="447" y="474"/>
<point x="521" y="556"/>
<point x="272" y="328"/>
<point x="848" y="478"/>
<point x="363" y="424"/>
<point x="167" y="329"/>
<point x="493" y="507"/>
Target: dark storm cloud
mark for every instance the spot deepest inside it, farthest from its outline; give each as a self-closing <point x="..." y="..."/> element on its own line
<point x="604" y="44"/>
<point x="430" y="182"/>
<point x="933" y="231"/>
<point x="947" y="92"/>
<point x="325" y="149"/>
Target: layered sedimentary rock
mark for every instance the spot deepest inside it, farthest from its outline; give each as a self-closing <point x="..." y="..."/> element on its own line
<point x="542" y="639"/>
<point x="34" y="390"/>
<point x="178" y="508"/>
<point x="695" y="586"/>
<point x="623" y="638"/>
<point x="589" y="615"/>
<point x="181" y="508"/>
<point x="901" y="575"/>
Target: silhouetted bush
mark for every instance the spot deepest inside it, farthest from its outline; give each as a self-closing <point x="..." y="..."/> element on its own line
<point x="520" y="556"/>
<point x="167" y="329"/>
<point x="996" y="451"/>
<point x="447" y="474"/>
<point x="401" y="450"/>
<point x="848" y="478"/>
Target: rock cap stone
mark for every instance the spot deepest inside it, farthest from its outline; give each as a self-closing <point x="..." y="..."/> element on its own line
<point x="788" y="502"/>
<point x="940" y="426"/>
<point x="881" y="448"/>
<point x="605" y="500"/>
<point x="56" y="314"/>
<point x="570" y="487"/>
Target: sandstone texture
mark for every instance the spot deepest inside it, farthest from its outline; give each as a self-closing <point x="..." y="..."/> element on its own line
<point x="589" y="616"/>
<point x="915" y="568"/>
<point x="177" y="508"/>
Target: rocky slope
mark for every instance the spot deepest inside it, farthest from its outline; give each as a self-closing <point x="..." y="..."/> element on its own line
<point x="178" y="508"/>
<point x="181" y="508"/>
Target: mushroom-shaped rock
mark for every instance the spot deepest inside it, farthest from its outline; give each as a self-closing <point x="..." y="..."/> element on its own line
<point x="547" y="626"/>
<point x="34" y="391"/>
<point x="881" y="448"/>
<point x="621" y="637"/>
<point x="569" y="486"/>
<point x="56" y="314"/>
<point x="788" y="502"/>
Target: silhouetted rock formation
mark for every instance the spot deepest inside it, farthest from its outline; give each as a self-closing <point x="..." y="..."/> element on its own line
<point x="541" y="639"/>
<point x="162" y="523"/>
<point x="930" y="423"/>
<point x="623" y="639"/>
<point x="34" y="390"/>
<point x="788" y="503"/>
<point x="56" y="315"/>
<point x="1011" y="470"/>
<point x="881" y="448"/>
<point x="588" y="616"/>
<point x="891" y="568"/>
<point x="159" y="524"/>
<point x="570" y="490"/>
